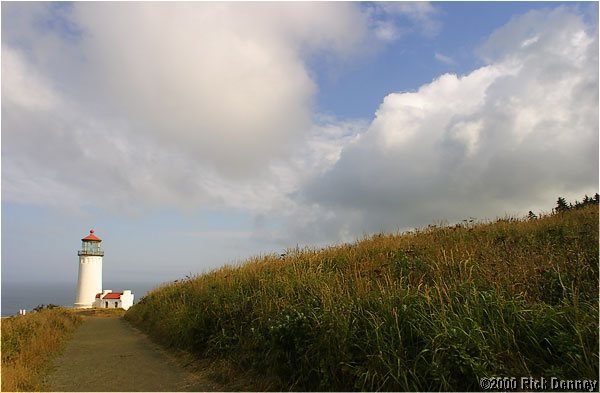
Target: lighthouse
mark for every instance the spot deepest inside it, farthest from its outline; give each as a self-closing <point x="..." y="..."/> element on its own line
<point x="89" y="282"/>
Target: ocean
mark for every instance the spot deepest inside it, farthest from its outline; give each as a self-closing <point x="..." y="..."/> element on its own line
<point x="16" y="296"/>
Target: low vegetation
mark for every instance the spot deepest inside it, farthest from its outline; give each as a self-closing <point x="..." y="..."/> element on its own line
<point x="431" y="309"/>
<point x="29" y="342"/>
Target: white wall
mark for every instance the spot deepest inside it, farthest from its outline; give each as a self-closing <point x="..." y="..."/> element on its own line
<point x="127" y="299"/>
<point x="89" y="282"/>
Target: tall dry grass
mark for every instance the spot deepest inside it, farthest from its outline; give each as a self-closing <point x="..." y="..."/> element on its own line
<point x="433" y="309"/>
<point x="29" y="342"/>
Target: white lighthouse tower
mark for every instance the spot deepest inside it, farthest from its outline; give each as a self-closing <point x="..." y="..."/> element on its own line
<point x="89" y="282"/>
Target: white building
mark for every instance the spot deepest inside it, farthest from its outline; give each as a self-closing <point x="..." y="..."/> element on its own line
<point x="110" y="299"/>
<point x="89" y="282"/>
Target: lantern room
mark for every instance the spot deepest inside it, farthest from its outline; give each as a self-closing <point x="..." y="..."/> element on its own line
<point x="90" y="245"/>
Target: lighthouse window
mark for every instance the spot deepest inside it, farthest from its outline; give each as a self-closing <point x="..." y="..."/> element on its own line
<point x="91" y="247"/>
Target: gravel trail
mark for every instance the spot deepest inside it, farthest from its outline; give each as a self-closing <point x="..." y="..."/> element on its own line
<point x="108" y="354"/>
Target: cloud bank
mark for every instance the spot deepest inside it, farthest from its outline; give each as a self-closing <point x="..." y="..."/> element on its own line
<point x="181" y="103"/>
<point x="198" y="105"/>
<point x="507" y="137"/>
<point x="186" y="104"/>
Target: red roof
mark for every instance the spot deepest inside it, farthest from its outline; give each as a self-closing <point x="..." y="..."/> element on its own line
<point x="91" y="237"/>
<point x="113" y="295"/>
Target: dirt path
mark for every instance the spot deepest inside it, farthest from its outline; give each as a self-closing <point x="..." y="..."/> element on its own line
<point x="107" y="354"/>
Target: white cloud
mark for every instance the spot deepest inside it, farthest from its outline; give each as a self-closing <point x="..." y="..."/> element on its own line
<point x="141" y="104"/>
<point x="24" y="87"/>
<point x="422" y="14"/>
<point x="225" y="83"/>
<point x="386" y="30"/>
<point x="444" y="59"/>
<point x="392" y="21"/>
<point x="508" y="137"/>
<point x="530" y="41"/>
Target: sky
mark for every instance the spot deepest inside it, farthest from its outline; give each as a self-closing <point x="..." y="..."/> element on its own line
<point x="193" y="135"/>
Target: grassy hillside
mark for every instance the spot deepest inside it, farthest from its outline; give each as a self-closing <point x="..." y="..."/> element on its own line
<point x="29" y="342"/>
<point x="435" y="308"/>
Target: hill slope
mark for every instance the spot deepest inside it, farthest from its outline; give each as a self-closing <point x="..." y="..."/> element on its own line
<point x="436" y="308"/>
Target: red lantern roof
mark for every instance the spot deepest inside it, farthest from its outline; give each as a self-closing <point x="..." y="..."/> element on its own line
<point x="91" y="237"/>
